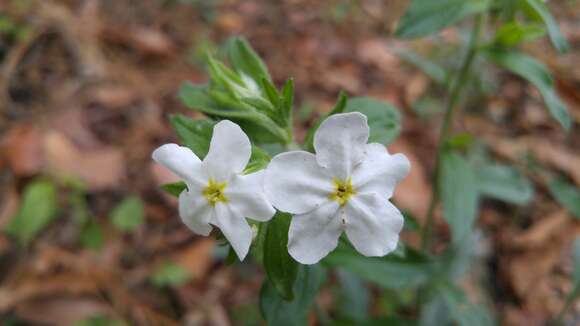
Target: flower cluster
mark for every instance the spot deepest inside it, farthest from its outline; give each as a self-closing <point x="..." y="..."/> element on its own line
<point x="345" y="186"/>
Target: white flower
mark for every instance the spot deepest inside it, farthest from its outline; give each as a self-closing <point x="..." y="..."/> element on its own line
<point x="217" y="192"/>
<point x="345" y="186"/>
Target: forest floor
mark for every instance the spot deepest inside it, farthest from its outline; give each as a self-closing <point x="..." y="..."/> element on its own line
<point x="86" y="89"/>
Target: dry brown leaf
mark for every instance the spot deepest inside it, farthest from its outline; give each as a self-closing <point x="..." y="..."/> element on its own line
<point x="555" y="155"/>
<point x="33" y="287"/>
<point x="100" y="168"/>
<point x="60" y="311"/>
<point x="21" y="149"/>
<point x="543" y="231"/>
<point x="376" y="52"/>
<point x="413" y="193"/>
<point x="197" y="257"/>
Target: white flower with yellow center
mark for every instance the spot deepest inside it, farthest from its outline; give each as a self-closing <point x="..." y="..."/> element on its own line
<point x="217" y="192"/>
<point x="346" y="186"/>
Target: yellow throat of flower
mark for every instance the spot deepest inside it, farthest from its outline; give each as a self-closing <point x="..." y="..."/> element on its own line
<point x="343" y="190"/>
<point x="214" y="192"/>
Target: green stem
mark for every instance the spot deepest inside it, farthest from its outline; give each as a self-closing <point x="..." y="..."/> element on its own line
<point x="454" y="97"/>
<point x="571" y="298"/>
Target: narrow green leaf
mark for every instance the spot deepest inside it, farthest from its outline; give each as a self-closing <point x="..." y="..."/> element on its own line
<point x="383" y="118"/>
<point x="390" y="272"/>
<point x="504" y="183"/>
<point x="170" y="274"/>
<point x="538" y="75"/>
<point x="540" y="12"/>
<point x="566" y="195"/>
<point x="513" y="34"/>
<point x="259" y="127"/>
<point x="175" y="188"/>
<point x="281" y="268"/>
<point x="244" y="58"/>
<point x="430" y="68"/>
<point x="458" y="189"/>
<point x="340" y="105"/>
<point x="279" y="312"/>
<point x="38" y="209"/>
<point x="271" y="92"/>
<point x="129" y="214"/>
<point x="425" y="17"/>
<point x="288" y="101"/>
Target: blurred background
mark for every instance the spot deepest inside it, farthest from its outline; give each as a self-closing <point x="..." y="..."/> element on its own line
<point x="86" y="89"/>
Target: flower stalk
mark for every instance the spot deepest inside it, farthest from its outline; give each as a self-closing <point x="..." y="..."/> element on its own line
<point x="457" y="88"/>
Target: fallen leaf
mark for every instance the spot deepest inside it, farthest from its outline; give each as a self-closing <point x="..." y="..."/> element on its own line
<point x="100" y="168"/>
<point x="196" y="258"/>
<point x="21" y="149"/>
<point x="60" y="311"/>
<point x="543" y="231"/>
<point x="413" y="193"/>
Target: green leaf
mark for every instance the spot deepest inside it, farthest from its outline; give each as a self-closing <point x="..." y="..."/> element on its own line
<point x="411" y="223"/>
<point x="462" y="311"/>
<point x="281" y="268"/>
<point x="538" y="75"/>
<point x="243" y="58"/>
<point x="175" y="188"/>
<point x="279" y="312"/>
<point x="258" y="161"/>
<point x="129" y="214"/>
<point x="430" y="68"/>
<point x="92" y="235"/>
<point x="384" y="119"/>
<point x="504" y="183"/>
<point x="390" y="271"/>
<point x="355" y="297"/>
<point x="195" y="134"/>
<point x="288" y="100"/>
<point x="513" y="34"/>
<point x="170" y="274"/>
<point x="538" y="11"/>
<point x="425" y="17"/>
<point x="38" y="209"/>
<point x="259" y="127"/>
<point x="566" y="195"/>
<point x="458" y="188"/>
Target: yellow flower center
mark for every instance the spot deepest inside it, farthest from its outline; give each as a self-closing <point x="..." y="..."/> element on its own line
<point x="214" y="192"/>
<point x="343" y="189"/>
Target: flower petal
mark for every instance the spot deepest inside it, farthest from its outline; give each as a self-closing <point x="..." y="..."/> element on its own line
<point x="339" y="142"/>
<point x="295" y="183"/>
<point x="372" y="224"/>
<point x="229" y="151"/>
<point x="181" y="161"/>
<point x="379" y="171"/>
<point x="314" y="234"/>
<point x="246" y="196"/>
<point x="234" y="227"/>
<point x="195" y="212"/>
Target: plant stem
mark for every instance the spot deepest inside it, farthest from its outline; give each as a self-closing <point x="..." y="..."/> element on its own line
<point x="454" y="97"/>
<point x="571" y="298"/>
